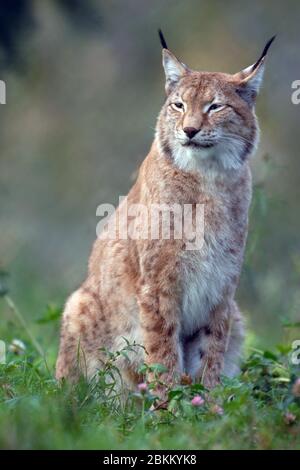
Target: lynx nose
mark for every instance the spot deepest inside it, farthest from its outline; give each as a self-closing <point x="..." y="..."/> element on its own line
<point x="190" y="131"/>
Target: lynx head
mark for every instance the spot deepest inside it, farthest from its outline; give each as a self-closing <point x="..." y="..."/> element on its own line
<point x="208" y="120"/>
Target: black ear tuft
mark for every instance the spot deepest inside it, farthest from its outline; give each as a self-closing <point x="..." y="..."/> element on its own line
<point x="162" y="39"/>
<point x="264" y="53"/>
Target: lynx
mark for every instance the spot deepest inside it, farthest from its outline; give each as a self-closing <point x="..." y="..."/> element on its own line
<point x="177" y="303"/>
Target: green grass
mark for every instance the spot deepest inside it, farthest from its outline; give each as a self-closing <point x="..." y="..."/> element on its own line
<point x="260" y="409"/>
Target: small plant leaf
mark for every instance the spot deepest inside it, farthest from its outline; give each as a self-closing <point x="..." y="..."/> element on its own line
<point x="52" y="313"/>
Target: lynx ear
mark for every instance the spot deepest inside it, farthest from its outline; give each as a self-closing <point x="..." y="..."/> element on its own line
<point x="250" y="79"/>
<point x="174" y="69"/>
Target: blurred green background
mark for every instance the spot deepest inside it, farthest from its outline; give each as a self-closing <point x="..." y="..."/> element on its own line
<point x="84" y="86"/>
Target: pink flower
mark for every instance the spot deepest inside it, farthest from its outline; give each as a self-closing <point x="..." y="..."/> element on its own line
<point x="197" y="401"/>
<point x="143" y="387"/>
<point x="217" y="410"/>
<point x="289" y="418"/>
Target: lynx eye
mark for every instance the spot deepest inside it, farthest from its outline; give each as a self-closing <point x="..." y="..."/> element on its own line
<point x="214" y="107"/>
<point x="178" y="105"/>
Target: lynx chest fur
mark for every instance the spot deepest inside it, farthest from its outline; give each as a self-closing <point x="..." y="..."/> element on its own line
<point x="211" y="271"/>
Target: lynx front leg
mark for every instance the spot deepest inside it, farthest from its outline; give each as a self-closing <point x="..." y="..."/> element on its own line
<point x="217" y="335"/>
<point x="160" y="329"/>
